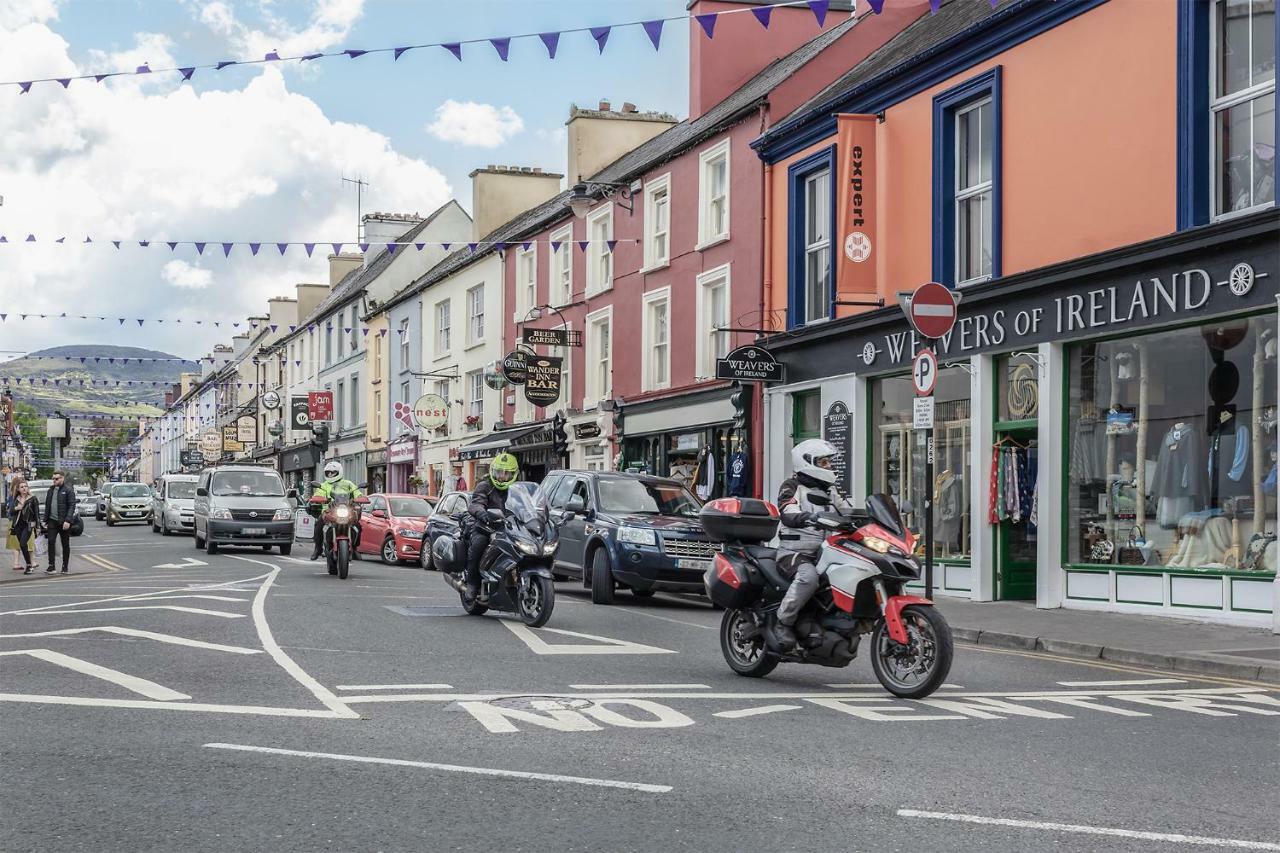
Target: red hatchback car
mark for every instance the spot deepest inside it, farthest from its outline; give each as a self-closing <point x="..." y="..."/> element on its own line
<point x="392" y="526"/>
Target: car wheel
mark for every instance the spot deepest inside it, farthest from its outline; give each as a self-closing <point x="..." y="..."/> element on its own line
<point x="195" y="538"/>
<point x="601" y="577"/>
<point x="425" y="558"/>
<point x="389" y="552"/>
<point x="286" y="550"/>
<point x="164" y="528"/>
<point x="210" y="547"/>
<point x="110" y="523"/>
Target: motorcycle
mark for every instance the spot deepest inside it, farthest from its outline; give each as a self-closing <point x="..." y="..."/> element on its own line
<point x="339" y="519"/>
<point x="515" y="571"/>
<point x="865" y="560"/>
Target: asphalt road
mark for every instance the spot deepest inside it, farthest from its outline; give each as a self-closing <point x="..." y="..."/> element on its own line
<point x="245" y="701"/>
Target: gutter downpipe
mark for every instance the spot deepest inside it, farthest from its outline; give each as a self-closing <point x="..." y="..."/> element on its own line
<point x="766" y="301"/>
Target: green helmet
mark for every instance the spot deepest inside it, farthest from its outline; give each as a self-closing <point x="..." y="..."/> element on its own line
<point x="503" y="471"/>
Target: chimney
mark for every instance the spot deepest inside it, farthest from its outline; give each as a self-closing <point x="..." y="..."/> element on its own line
<point x="309" y="298"/>
<point x="383" y="228"/>
<point x="340" y="265"/>
<point x="239" y="343"/>
<point x="501" y="193"/>
<point x="599" y="137"/>
<point x="719" y="66"/>
<point x="283" y="313"/>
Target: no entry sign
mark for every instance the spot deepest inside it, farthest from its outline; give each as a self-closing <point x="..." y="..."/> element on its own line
<point x="932" y="309"/>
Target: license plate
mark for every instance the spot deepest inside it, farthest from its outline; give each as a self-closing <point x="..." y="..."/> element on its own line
<point x="700" y="565"/>
<point x="133" y="514"/>
<point x="254" y="531"/>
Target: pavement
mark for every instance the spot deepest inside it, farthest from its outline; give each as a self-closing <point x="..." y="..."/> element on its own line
<point x="248" y="701"/>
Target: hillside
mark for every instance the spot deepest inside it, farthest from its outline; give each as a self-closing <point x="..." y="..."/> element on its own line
<point x="71" y="378"/>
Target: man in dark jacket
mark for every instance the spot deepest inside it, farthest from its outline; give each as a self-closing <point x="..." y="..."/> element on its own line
<point x="59" y="504"/>
<point x="490" y="494"/>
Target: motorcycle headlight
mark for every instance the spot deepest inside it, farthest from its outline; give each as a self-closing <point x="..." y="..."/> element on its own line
<point x="637" y="536"/>
<point x="549" y="548"/>
<point x="220" y="512"/>
<point x="875" y="543"/>
<point x="528" y="547"/>
<point x="342" y="514"/>
<point x="282" y="514"/>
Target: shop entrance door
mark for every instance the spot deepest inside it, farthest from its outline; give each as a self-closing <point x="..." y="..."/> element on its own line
<point x="1016" y="533"/>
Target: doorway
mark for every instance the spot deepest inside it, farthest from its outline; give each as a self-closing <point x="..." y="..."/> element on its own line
<point x="1017" y="510"/>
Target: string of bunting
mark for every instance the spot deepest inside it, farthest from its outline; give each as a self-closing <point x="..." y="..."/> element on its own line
<point x="253" y="324"/>
<point x="113" y="383"/>
<point x="256" y="246"/>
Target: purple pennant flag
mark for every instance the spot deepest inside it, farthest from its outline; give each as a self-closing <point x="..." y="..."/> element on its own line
<point x="364" y="247"/>
<point x="172" y="246"/>
<point x="253" y="248"/>
<point x="355" y="54"/>
<point x="501" y="247"/>
<point x="187" y="72"/>
<point x="224" y="63"/>
<point x="653" y="29"/>
<point x="337" y="248"/>
<point x="398" y="52"/>
<point x="116" y="243"/>
<point x="819" y="8"/>
<point x="364" y="333"/>
<point x="25" y="87"/>
<point x="309" y="248"/>
<point x="200" y="248"/>
<point x="65" y="81"/>
<point x="877" y="6"/>
<point x="552" y="42"/>
<point x="3" y="317"/>
<point x="708" y="23"/>
<point x="419" y="246"/>
<point x="293" y="328"/>
<point x="282" y="247"/>
<point x="555" y="245"/>
<point x="582" y="245"/>
<point x="610" y="244"/>
<point x="144" y="68"/>
<point x="121" y="319"/>
<point x="271" y="57"/>
<point x="144" y="243"/>
<point x="763" y="14"/>
<point x="311" y="56"/>
<point x="31" y="238"/>
<point x="347" y="329"/>
<point x="382" y="333"/>
<point x="4" y="239"/>
<point x="61" y="240"/>
<point x="995" y="3"/>
<point x="472" y="246"/>
<point x="934" y="5"/>
<point x="455" y="48"/>
<point x="100" y="77"/>
<point x="601" y="35"/>
<point x="502" y="46"/>
<point x="391" y="248"/>
<point x="445" y="246"/>
<point x="526" y="245"/>
<point x="140" y="322"/>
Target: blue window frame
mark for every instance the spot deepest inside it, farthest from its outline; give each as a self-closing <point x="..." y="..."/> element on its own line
<point x="811" y="217"/>
<point x="967" y="190"/>
<point x="1193" y="113"/>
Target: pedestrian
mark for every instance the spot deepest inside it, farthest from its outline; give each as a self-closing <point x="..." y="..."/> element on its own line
<point x="25" y="516"/>
<point x="58" y="506"/>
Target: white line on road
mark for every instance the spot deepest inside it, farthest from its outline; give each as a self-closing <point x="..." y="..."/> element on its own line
<point x="451" y="768"/>
<point x="879" y="686"/>
<point x="394" y="687"/>
<point x="143" y="704"/>
<point x="1172" y="837"/>
<point x="65" y="610"/>
<point x="129" y="682"/>
<point x="640" y="686"/>
<point x="598" y="646"/>
<point x="141" y="596"/>
<point x="1134" y="682"/>
<point x="146" y="635"/>
<point x="754" y="712"/>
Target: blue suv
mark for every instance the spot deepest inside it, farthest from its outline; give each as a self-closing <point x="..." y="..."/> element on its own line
<point x="627" y="530"/>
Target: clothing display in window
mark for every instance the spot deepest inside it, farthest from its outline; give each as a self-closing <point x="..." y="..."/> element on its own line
<point x="1228" y="460"/>
<point x="1013" y="484"/>
<point x="705" y="475"/>
<point x="1180" y="476"/>
<point x="949" y="494"/>
<point x="1088" y="461"/>
<point x="736" y="475"/>
<point x="1205" y="543"/>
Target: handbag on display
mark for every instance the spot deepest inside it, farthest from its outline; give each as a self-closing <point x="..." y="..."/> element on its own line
<point x="1101" y="548"/>
<point x="1135" y="550"/>
<point x="1255" y="550"/>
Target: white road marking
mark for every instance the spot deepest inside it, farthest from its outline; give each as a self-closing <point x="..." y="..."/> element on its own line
<point x="880" y="686"/>
<point x="1134" y="682"/>
<point x="754" y="712"/>
<point x="187" y="563"/>
<point x="640" y="686"/>
<point x="394" y="687"/>
<point x="451" y="768"/>
<point x="146" y="635"/>
<point x="1171" y="837"/>
<point x="1078" y="702"/>
<point x="205" y="596"/>
<point x="600" y="646"/>
<point x="66" y="611"/>
<point x="142" y="596"/>
<point x="143" y="704"/>
<point x="638" y="612"/>
<point x="129" y="682"/>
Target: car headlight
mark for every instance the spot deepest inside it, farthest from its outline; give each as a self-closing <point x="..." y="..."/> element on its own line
<point x="637" y="536"/>
<point x="220" y="512"/>
<point x="530" y="548"/>
<point x="282" y="514"/>
<point x="409" y="533"/>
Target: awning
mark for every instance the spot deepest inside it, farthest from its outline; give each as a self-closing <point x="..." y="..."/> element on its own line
<point x="495" y="442"/>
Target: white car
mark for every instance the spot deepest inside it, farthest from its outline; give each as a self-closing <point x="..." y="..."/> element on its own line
<point x="86" y="503"/>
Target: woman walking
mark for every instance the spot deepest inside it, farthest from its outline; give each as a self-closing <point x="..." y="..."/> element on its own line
<point x="26" y="519"/>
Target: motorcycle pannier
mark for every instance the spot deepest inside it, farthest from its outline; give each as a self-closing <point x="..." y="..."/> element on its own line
<point x="744" y="520"/>
<point x="730" y="584"/>
<point x="444" y="553"/>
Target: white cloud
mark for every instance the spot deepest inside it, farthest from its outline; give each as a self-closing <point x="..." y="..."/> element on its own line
<point x="183" y="274"/>
<point x="15" y="13"/>
<point x="470" y="123"/>
<point x="330" y="24"/>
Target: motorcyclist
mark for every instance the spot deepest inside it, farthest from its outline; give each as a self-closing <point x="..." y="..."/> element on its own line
<point x="489" y="494"/>
<point x="809" y="491"/>
<point x="333" y="486"/>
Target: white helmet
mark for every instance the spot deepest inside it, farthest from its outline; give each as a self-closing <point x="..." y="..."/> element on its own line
<point x="807" y="460"/>
<point x="332" y="471"/>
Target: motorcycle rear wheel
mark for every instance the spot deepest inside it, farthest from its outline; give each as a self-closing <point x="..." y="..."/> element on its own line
<point x="918" y="669"/>
<point x="536" y="601"/>
<point x="747" y="657"/>
<point x="344" y="559"/>
<point x="472" y="606"/>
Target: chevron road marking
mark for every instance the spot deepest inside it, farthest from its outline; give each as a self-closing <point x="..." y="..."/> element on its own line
<point x="135" y="632"/>
<point x="130" y="682"/>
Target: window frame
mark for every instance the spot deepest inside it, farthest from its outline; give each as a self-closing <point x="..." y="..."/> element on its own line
<point x="560" y="265"/>
<point x="798" y="176"/>
<point x="598" y="252"/>
<point x="522" y="300"/>
<point x="704" y="282"/>
<point x="652" y="188"/>
<point x="959" y="196"/>
<point x="475" y="402"/>
<point x="706" y="157"/>
<point x="442" y="349"/>
<point x="474" y="340"/>
<point x="591" y="395"/>
<point x="404" y="344"/>
<point x="354" y="403"/>
<point x="661" y="294"/>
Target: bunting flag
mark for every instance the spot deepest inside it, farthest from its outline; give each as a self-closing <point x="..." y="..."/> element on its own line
<point x="708" y="23"/>
<point x="255" y="246"/>
<point x="763" y="13"/>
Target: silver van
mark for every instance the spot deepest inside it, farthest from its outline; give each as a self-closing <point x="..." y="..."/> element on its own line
<point x="174" y="505"/>
<point x="243" y="505"/>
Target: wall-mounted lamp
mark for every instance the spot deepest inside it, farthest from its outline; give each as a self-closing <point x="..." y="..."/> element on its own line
<point x="580" y="201"/>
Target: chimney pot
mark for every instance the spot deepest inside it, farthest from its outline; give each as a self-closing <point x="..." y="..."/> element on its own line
<point x="628" y="107"/>
<point x="605" y="106"/>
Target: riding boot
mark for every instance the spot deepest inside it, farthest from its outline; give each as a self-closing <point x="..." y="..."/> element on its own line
<point x="786" y="636"/>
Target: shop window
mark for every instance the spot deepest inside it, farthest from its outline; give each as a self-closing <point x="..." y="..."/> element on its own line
<point x="562" y="266"/>
<point x="812" y="222"/>
<point x="1172" y="449"/>
<point x="1018" y="397"/>
<point x="967" y="185"/>
<point x="1243" y="105"/>
<point x="657" y="222"/>
<point x="806" y="415"/>
<point x="595" y="457"/>
<point x="898" y="456"/>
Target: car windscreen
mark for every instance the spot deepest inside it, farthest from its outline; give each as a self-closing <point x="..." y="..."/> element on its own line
<point x="640" y="497"/>
<point x="181" y="491"/>
<point x="130" y="490"/>
<point x="410" y="507"/>
<point x="256" y="484"/>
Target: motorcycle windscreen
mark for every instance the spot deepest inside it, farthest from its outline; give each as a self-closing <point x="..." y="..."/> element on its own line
<point x="527" y="503"/>
<point x="884" y="512"/>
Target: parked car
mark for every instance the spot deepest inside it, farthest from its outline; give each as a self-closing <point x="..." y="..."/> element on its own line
<point x="629" y="530"/>
<point x="391" y="525"/>
<point x="243" y="505"/>
<point x="100" y="512"/>
<point x="173" y="504"/>
<point x="128" y="502"/>
<point x="446" y="517"/>
<point x="40" y="490"/>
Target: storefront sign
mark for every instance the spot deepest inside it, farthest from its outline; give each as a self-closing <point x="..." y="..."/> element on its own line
<point x="750" y="364"/>
<point x="299" y="413"/>
<point x="301" y="458"/>
<point x="551" y="337"/>
<point x="431" y="411"/>
<point x="320" y="405"/>
<point x="856" y="203"/>
<point x="230" y="443"/>
<point x="375" y="458"/>
<point x="543" y="385"/>
<point x="211" y="442"/>
<point x="403" y="451"/>
<point x="271" y="401"/>
<point x="246" y="429"/>
<point x="190" y="458"/>
<point x="587" y="430"/>
<point x="515" y="366"/>
<point x="836" y="432"/>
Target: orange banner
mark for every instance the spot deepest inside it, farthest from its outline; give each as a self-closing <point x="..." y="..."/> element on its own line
<point x="855" y="237"/>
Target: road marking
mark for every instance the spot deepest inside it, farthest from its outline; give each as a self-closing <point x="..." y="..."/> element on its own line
<point x="394" y="687"/>
<point x="144" y="704"/>
<point x="754" y="712"/>
<point x="663" y="618"/>
<point x="142" y="596"/>
<point x="880" y="686"/>
<point x="1172" y="837"/>
<point x="451" y="768"/>
<point x="205" y="596"/>
<point x="146" y="635"/>
<point x="640" y="686"/>
<point x="129" y="682"/>
<point x="66" y="611"/>
<point x="1133" y="682"/>
<point x="607" y="645"/>
<point x="187" y="563"/>
<point x="1115" y="667"/>
<point x="551" y="714"/>
<point x="94" y="559"/>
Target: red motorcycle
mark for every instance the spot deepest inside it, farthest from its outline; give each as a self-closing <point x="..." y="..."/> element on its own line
<point x="339" y="519"/>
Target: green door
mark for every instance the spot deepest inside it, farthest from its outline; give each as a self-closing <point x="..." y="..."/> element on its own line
<point x="1016" y="540"/>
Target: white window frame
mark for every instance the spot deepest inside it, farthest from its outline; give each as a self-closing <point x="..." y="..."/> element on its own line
<point x="647" y="382"/>
<point x="377" y="415"/>
<point x="1226" y="102"/>
<point x="355" y="330"/>
<point x="475" y="403"/>
<point x="340" y="399"/>
<point x="441" y="348"/>
<point x="598" y="253"/>
<point x="561" y="266"/>
<point x="474" y="340"/>
<point x="706" y="362"/>
<point x="354" y="412"/>
<point x="652" y="189"/>
<point x="404" y="344"/>
<point x="809" y="248"/>
<point x="526" y="259"/>
<point x="591" y="394"/>
<point x="706" y="157"/>
<point x="959" y="196"/>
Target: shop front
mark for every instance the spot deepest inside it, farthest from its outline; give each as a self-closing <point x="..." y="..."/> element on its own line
<point x="298" y="466"/>
<point x="1105" y="430"/>
<point x="590" y="443"/>
<point x="402" y="462"/>
<point x="375" y="462"/>
<point x="530" y="443"/>
<point x="690" y="439"/>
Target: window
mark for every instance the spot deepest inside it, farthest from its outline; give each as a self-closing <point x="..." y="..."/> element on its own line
<point x="403" y="334"/>
<point x="328" y="342"/>
<point x="967" y="191"/>
<point x="526" y="280"/>
<point x="341" y="334"/>
<point x="355" y="330"/>
<point x="311" y="359"/>
<point x="355" y="400"/>
<point x="811" y="212"/>
<point x="475" y="393"/>
<point x="377" y="359"/>
<point x="806" y="416"/>
<point x="377" y="415"/>
<point x="475" y="314"/>
<point x="599" y="358"/>
<point x="404" y="392"/>
<point x="562" y="266"/>
<point x="713" y="194"/>
<point x="713" y="315"/>
<point x="340" y="401"/>
<point x="599" y="258"/>
<point x="657" y="222"/>
<point x="442" y="328"/>
<point x="656" y="370"/>
<point x="1243" y="105"/>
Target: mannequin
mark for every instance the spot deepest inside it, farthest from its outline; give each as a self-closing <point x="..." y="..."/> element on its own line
<point x="1179" y="482"/>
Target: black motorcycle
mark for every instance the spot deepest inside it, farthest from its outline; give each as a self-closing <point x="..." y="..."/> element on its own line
<point x="515" y="571"/>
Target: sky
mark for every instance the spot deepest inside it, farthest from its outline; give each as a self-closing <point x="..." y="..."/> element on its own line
<point x="257" y="153"/>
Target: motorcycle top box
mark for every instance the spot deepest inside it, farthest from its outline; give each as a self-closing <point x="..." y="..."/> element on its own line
<point x="745" y="520"/>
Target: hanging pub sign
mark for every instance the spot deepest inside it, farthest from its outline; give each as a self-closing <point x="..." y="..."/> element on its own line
<point x="836" y="432"/>
<point x="591" y="429"/>
<point x="552" y="337"/>
<point x="542" y="388"/>
<point x="230" y="444"/>
<point x="515" y="366"/>
<point x="749" y="364"/>
<point x="320" y="405"/>
<point x="190" y="458"/>
<point x="299" y="413"/>
<point x="431" y="411"/>
<point x="246" y="429"/>
<point x="271" y="401"/>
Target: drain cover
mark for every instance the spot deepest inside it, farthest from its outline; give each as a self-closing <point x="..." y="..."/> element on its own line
<point x="426" y="609"/>
<point x="541" y="703"/>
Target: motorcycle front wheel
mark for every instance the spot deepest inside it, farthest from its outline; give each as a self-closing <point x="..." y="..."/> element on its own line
<point x="743" y="645"/>
<point x="536" y="599"/>
<point x="916" y="669"/>
<point x="344" y="559"/>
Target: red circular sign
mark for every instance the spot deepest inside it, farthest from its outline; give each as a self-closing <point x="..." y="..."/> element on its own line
<point x="933" y="310"/>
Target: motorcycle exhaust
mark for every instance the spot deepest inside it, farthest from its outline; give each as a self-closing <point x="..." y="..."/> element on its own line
<point x="454" y="582"/>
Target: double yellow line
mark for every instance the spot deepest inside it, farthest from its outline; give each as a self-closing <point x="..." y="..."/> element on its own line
<point x="103" y="563"/>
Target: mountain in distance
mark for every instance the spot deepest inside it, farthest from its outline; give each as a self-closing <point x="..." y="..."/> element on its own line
<point x="58" y="372"/>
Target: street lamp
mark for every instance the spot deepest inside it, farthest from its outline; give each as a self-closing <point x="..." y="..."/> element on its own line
<point x="580" y="200"/>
